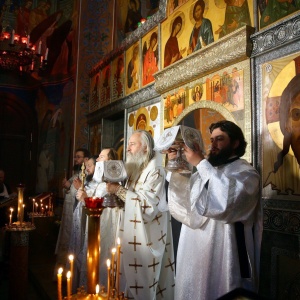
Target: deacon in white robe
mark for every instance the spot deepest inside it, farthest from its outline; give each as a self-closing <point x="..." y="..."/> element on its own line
<point x="145" y="232"/>
<point x="219" y="207"/>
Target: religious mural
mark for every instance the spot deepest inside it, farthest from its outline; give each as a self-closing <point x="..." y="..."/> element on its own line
<point x="95" y="92"/>
<point x="281" y="123"/>
<point x="274" y="10"/>
<point x="132" y="68"/>
<point x="51" y="28"/>
<point x="105" y="86"/>
<point x="145" y="118"/>
<point x="130" y="13"/>
<point x="118" y="73"/>
<point x="193" y="25"/>
<point x="150" y="57"/>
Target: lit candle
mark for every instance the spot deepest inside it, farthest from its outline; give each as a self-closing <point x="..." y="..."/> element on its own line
<point x="113" y="252"/>
<point x="24" y="40"/>
<point x="60" y="270"/>
<point x="118" y="265"/>
<point x="40" y="47"/>
<point x="71" y="259"/>
<point x="10" y="217"/>
<point x="17" y="37"/>
<point x="97" y="289"/>
<point x="108" y="278"/>
<point x="33" y="203"/>
<point x="46" y="54"/>
<point x="69" y="285"/>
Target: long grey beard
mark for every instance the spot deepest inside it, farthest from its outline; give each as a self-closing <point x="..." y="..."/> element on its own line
<point x="135" y="163"/>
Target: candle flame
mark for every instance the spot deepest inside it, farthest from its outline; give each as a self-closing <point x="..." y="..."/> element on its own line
<point x="97" y="288"/>
<point x="11" y="209"/>
<point x="108" y="263"/>
<point x="60" y="270"/>
<point x="69" y="274"/>
<point x="113" y="250"/>
<point x="71" y="257"/>
<point x="118" y="241"/>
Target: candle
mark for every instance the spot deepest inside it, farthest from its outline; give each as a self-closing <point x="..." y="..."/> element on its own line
<point x="113" y="252"/>
<point x="118" y="265"/>
<point x="97" y="289"/>
<point x="40" y="47"/>
<point x="60" y="270"/>
<point x="71" y="259"/>
<point x="10" y="216"/>
<point x="108" y="278"/>
<point x="33" y="203"/>
<point x="46" y="54"/>
<point x="69" y="285"/>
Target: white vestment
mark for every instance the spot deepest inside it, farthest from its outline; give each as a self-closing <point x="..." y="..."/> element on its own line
<point x="63" y="239"/>
<point x="210" y="204"/>
<point x="147" y="256"/>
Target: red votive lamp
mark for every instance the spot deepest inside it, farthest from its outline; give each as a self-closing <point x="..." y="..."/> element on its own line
<point x="93" y="202"/>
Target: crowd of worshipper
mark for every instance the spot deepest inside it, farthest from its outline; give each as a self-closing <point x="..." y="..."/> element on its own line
<point x="216" y="247"/>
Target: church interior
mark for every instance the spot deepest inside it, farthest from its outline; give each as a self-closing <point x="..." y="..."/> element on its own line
<point x="87" y="74"/>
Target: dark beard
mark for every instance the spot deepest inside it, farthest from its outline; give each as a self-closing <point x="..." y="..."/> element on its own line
<point x="89" y="177"/>
<point x="221" y="158"/>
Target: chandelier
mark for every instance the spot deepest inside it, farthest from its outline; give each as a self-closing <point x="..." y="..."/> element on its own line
<point x="18" y="54"/>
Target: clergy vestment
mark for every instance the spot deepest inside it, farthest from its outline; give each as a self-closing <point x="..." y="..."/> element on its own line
<point x="220" y="238"/>
<point x="146" y="237"/>
<point x="63" y="239"/>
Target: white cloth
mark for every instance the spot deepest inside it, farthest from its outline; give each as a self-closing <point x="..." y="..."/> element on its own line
<point x="208" y="204"/>
<point x="147" y="257"/>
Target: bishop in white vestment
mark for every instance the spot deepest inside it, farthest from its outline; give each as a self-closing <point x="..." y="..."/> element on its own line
<point x="147" y="259"/>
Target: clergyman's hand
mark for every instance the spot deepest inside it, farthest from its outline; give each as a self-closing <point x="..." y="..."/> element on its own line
<point x="193" y="156"/>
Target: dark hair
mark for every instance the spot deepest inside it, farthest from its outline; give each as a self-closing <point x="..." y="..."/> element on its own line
<point x="94" y="158"/>
<point x="153" y="36"/>
<point x="177" y="20"/>
<point x="112" y="154"/>
<point x="86" y="152"/>
<point x="234" y="132"/>
<point x="199" y="3"/>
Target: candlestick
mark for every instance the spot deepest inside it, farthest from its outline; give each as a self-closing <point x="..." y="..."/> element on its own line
<point x="69" y="285"/>
<point x="71" y="259"/>
<point x="82" y="175"/>
<point x="60" y="270"/>
<point x="113" y="252"/>
<point x="118" y="265"/>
